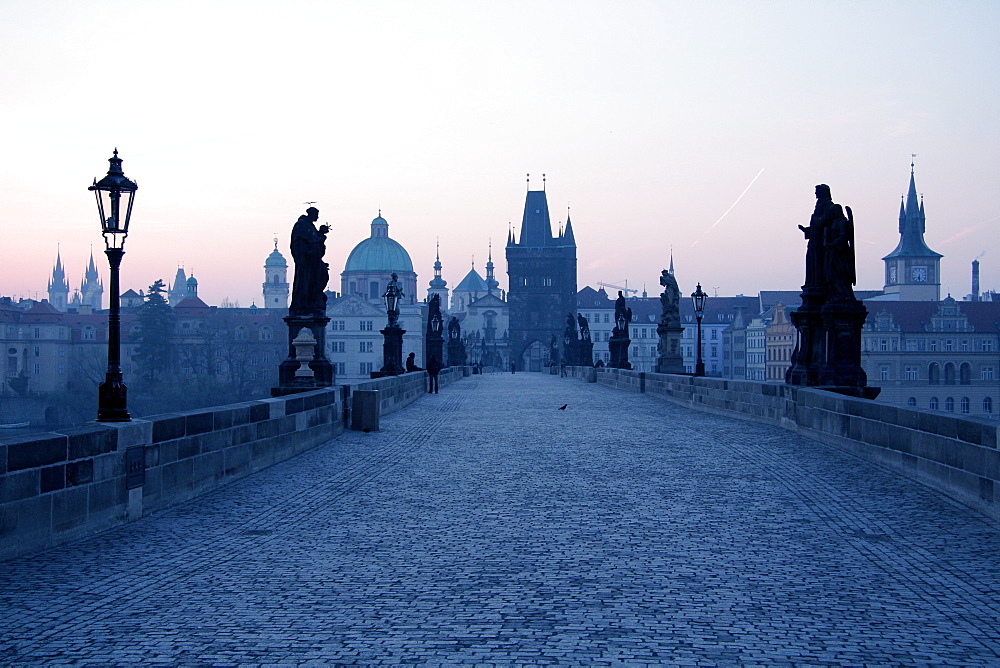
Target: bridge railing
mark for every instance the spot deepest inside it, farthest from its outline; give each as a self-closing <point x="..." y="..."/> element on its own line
<point x="62" y="485"/>
<point x="954" y="454"/>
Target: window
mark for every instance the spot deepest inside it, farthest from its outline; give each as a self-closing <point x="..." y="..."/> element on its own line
<point x="911" y="373"/>
<point x="715" y="334"/>
<point x="987" y="373"/>
<point x="987" y="405"/>
<point x="949" y="405"/>
<point x="36" y="369"/>
<point x="342" y="367"/>
<point x="366" y="325"/>
<point x="606" y="316"/>
<point x="912" y="402"/>
<point x="338" y="325"/>
<point x="965" y="345"/>
<point x="38" y="333"/>
<point x="965" y="373"/>
<point x="883" y="373"/>
<point x="949" y="345"/>
<point x="933" y="373"/>
<point x="266" y="334"/>
<point x="933" y="345"/>
<point x="364" y="346"/>
<point x="964" y="405"/>
<point x="36" y="351"/>
<point x="373" y="290"/>
<point x="715" y="350"/>
<point x="88" y="333"/>
<point x="365" y="368"/>
<point x="949" y="374"/>
<point x="988" y="346"/>
<point x="338" y="347"/>
<point x="883" y="345"/>
<point x="934" y="403"/>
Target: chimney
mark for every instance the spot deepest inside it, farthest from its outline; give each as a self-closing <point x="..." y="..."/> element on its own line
<point x="975" y="280"/>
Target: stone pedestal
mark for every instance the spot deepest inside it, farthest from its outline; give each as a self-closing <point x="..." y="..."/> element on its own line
<point x="456" y="352"/>
<point x="434" y="347"/>
<point x="618" y="347"/>
<point x="392" y="351"/>
<point x="809" y="355"/>
<point x="322" y="371"/>
<point x="585" y="353"/>
<point x="571" y="353"/>
<point x="842" y="322"/>
<point x="669" y="358"/>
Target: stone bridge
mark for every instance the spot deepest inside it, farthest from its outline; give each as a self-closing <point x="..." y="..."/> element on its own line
<point x="487" y="524"/>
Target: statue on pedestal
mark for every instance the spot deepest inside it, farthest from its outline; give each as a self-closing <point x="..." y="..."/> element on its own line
<point x="668" y="349"/>
<point x="306" y="317"/>
<point x="828" y="348"/>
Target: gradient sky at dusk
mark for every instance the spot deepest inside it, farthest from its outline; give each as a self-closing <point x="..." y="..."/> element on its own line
<point x="650" y="120"/>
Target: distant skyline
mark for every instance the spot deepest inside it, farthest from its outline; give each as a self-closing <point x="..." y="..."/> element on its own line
<point x="696" y="126"/>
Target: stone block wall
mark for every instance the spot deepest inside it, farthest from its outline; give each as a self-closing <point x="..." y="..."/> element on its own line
<point x="953" y="454"/>
<point x="60" y="486"/>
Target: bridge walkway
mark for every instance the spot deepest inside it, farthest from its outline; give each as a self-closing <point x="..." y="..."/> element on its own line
<point x="485" y="525"/>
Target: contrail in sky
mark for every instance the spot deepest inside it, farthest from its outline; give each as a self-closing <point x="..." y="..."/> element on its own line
<point x="729" y="209"/>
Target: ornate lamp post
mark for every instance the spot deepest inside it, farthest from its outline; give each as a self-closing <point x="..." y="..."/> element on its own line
<point x="109" y="191"/>
<point x="392" y="347"/>
<point x="698" y="298"/>
<point x="434" y="346"/>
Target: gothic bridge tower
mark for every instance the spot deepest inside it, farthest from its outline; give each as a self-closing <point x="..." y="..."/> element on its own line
<point x="541" y="268"/>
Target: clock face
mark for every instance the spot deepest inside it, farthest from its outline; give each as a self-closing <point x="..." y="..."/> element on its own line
<point x="920" y="274"/>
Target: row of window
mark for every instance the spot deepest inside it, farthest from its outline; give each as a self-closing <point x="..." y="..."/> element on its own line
<point x="930" y="345"/>
<point x="951" y="373"/>
<point x="964" y="405"/>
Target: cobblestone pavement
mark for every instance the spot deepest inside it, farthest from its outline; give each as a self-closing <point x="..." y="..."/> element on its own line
<point x="484" y="525"/>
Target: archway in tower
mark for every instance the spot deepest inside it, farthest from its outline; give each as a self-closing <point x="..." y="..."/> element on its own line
<point x="535" y="357"/>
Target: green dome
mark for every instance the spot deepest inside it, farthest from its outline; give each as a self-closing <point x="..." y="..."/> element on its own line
<point x="379" y="253"/>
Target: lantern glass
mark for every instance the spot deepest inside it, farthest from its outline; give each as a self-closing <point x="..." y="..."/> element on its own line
<point x="698" y="299"/>
<point x="115" y="213"/>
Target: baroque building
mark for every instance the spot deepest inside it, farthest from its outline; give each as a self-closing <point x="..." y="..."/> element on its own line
<point x="541" y="268"/>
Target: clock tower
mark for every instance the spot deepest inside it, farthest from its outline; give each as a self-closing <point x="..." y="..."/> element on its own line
<point x="912" y="271"/>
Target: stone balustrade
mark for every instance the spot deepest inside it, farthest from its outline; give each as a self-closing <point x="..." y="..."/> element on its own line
<point x="59" y="486"/>
<point x="956" y="455"/>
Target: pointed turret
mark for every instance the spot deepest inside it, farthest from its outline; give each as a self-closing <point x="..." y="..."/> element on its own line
<point x="58" y="285"/>
<point x="91" y="288"/>
<point x="438" y="286"/>
<point x="491" y="281"/>
<point x="568" y="238"/>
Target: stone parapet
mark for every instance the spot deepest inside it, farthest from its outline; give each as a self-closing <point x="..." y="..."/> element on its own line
<point x="59" y="486"/>
<point x="955" y="455"/>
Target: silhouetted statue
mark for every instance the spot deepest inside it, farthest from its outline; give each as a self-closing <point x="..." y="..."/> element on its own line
<point x="838" y="249"/>
<point x="584" y="327"/>
<point x="569" y="334"/>
<point x="815" y="235"/>
<point x="623" y="314"/>
<point x="311" y="272"/>
<point x="670" y="300"/>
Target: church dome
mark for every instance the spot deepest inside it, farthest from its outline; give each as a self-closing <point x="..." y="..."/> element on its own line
<point x="379" y="253"/>
<point x="275" y="259"/>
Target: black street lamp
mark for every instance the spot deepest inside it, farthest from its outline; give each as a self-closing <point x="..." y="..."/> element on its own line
<point x="392" y="347"/>
<point x="698" y="298"/>
<point x="112" y="394"/>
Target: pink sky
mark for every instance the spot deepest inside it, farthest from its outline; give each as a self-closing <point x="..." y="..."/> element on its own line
<point x="649" y="118"/>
